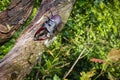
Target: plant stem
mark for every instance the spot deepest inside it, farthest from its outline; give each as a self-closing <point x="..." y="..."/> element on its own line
<point x="79" y="57"/>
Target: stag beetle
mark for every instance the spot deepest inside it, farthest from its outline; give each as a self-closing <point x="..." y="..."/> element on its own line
<point x="48" y="28"/>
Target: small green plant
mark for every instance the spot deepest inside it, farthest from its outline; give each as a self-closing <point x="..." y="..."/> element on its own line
<point x="87" y="75"/>
<point x="4" y="4"/>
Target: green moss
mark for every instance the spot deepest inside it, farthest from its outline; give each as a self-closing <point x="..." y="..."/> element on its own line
<point x="4" y="4"/>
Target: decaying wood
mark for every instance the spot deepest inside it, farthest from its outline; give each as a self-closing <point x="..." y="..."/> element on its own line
<point x="13" y="17"/>
<point x="24" y="55"/>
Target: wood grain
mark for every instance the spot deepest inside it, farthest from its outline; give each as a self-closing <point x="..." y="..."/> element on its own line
<point x="14" y="16"/>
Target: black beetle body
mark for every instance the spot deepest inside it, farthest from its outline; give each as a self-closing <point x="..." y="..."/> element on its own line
<point x="48" y="28"/>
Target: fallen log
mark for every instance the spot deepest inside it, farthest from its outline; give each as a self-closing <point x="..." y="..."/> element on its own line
<point x="27" y="50"/>
<point x="13" y="17"/>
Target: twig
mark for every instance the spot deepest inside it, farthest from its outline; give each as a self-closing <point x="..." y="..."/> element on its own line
<point x="99" y="75"/>
<point x="87" y="52"/>
<point x="79" y="57"/>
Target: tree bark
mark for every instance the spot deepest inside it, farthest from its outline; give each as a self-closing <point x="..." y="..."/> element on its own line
<point x="24" y="55"/>
<point x="13" y="17"/>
